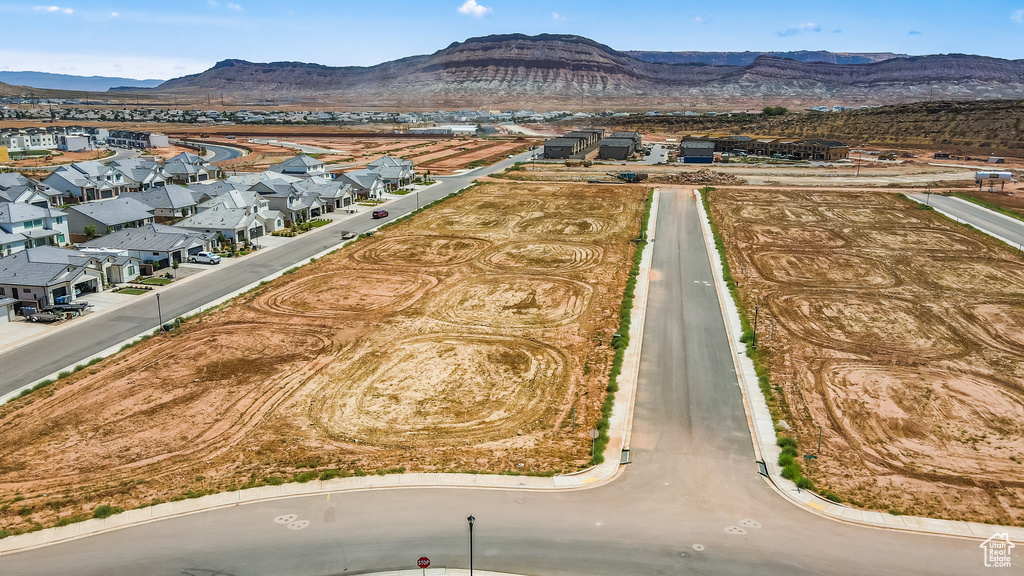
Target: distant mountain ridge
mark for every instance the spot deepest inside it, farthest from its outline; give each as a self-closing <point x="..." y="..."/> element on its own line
<point x="48" y="81"/>
<point x="562" y="70"/>
<point x="746" y="58"/>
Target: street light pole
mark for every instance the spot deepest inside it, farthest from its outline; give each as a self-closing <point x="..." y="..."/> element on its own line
<point x="159" y="313"/>
<point x="471" y="520"/>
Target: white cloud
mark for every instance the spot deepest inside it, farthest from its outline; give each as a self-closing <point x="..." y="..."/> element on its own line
<point x="100" y="64"/>
<point x="53" y="9"/>
<point x="235" y="7"/>
<point x="212" y="3"/>
<point x="1018" y="16"/>
<point x="472" y="8"/>
<point x="808" y="27"/>
<point x="114" y="14"/>
<point x="701" y="19"/>
<point x="557" y="16"/>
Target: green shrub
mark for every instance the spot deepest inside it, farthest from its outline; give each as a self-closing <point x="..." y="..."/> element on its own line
<point x="303" y="477"/>
<point x="785" y="460"/>
<point x="330" y="473"/>
<point x="273" y="480"/>
<point x="106" y="511"/>
<point x="804" y="483"/>
<point x="786" y="442"/>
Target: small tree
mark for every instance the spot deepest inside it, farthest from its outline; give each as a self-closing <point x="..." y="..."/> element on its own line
<point x="174" y="266"/>
<point x="90" y="232"/>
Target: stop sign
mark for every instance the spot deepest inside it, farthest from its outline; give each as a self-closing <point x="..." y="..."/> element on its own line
<point x="423" y="562"/>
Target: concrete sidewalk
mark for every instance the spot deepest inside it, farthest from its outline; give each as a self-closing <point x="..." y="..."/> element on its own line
<point x="620" y="424"/>
<point x="766" y="450"/>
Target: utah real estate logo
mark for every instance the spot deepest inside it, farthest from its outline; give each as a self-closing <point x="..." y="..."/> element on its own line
<point x="997" y="550"/>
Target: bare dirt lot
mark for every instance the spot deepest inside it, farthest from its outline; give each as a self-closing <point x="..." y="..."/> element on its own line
<point x="459" y="340"/>
<point x="897" y="331"/>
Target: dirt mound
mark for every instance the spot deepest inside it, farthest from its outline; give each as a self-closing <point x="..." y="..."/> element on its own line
<point x="705" y="176"/>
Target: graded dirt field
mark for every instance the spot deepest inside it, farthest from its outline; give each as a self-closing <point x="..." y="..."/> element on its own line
<point x="898" y="332"/>
<point x="459" y="340"/>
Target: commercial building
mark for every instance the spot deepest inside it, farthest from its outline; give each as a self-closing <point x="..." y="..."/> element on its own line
<point x="696" y="152"/>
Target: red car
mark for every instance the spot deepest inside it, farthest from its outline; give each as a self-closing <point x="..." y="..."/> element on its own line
<point x="379" y="214"/>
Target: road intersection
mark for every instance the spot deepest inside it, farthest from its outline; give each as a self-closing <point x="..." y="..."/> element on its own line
<point x="691" y="501"/>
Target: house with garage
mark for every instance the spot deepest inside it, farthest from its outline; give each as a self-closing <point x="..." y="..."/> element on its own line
<point x="295" y="204"/>
<point x="187" y="168"/>
<point x="233" y="224"/>
<point x="247" y="199"/>
<point x="365" y="184"/>
<point x="17" y="188"/>
<point x="394" y="172"/>
<point x="156" y="244"/>
<point x="141" y="174"/>
<point x="333" y="195"/>
<point x="303" y="166"/>
<point x="7" y="309"/>
<point x="35" y="283"/>
<point x="87" y="181"/>
<point x="107" y="217"/>
<point x="169" y="203"/>
<point x="117" y="266"/>
<point x="24" y="226"/>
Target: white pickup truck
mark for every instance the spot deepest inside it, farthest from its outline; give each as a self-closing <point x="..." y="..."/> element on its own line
<point x="205" y="258"/>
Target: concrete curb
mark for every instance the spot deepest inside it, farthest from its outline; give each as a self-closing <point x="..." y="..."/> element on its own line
<point x="977" y="227"/>
<point x="620" y="424"/>
<point x="762" y="432"/>
<point x="152" y="295"/>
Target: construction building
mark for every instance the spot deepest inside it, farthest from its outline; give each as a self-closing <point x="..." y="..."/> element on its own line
<point x="810" y="149"/>
<point x="696" y="152"/>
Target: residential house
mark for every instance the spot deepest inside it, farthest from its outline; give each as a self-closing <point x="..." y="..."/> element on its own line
<point x="7" y="309"/>
<point x="247" y="199"/>
<point x="36" y="284"/>
<point x="140" y="173"/>
<point x="333" y="195"/>
<point x="156" y="244"/>
<point x="234" y="224"/>
<point x="107" y="216"/>
<point x="300" y="166"/>
<point x="85" y="181"/>
<point x="295" y="204"/>
<point x="394" y="172"/>
<point x="364" y="183"/>
<point x="188" y="168"/>
<point x="117" y="266"/>
<point x="24" y="226"/>
<point x="17" y="188"/>
<point x="140" y="140"/>
<point x="169" y="202"/>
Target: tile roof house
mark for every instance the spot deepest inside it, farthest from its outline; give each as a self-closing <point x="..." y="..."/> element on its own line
<point x="24" y="226"/>
<point x="108" y="216"/>
<point x="154" y="243"/>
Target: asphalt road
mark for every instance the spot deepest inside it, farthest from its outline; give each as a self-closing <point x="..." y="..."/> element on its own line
<point x="222" y="152"/>
<point x="1003" y="226"/>
<point x="83" y="340"/>
<point x="690" y="503"/>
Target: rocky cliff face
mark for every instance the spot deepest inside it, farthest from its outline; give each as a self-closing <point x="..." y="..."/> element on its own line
<point x="549" y="68"/>
<point x="746" y="58"/>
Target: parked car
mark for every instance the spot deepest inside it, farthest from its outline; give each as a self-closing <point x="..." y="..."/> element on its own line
<point x="380" y="214"/>
<point x="205" y="258"/>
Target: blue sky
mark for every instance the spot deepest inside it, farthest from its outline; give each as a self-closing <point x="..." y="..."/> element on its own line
<point x="149" y="39"/>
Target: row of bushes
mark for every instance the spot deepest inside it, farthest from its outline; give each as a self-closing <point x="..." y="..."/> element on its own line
<point x="792" y="469"/>
<point x="621" y="339"/>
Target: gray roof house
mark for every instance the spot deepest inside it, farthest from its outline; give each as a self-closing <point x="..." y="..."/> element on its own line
<point x="140" y="173"/>
<point x="296" y="205"/>
<point x="17" y="188"/>
<point x="238" y="224"/>
<point x="364" y="183"/>
<point x="154" y="243"/>
<point x="300" y="166"/>
<point x="87" y="181"/>
<point x="168" y="202"/>
<point x="25" y="226"/>
<point x="117" y="267"/>
<point x="331" y="193"/>
<point x="394" y="172"/>
<point x="37" y="283"/>
<point x="108" y="216"/>
<point x="242" y="199"/>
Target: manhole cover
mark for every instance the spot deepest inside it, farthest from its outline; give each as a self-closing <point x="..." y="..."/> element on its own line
<point x="286" y="518"/>
<point x="698" y="547"/>
<point x="298" y="525"/>
<point x="748" y="523"/>
<point x="736" y="530"/>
